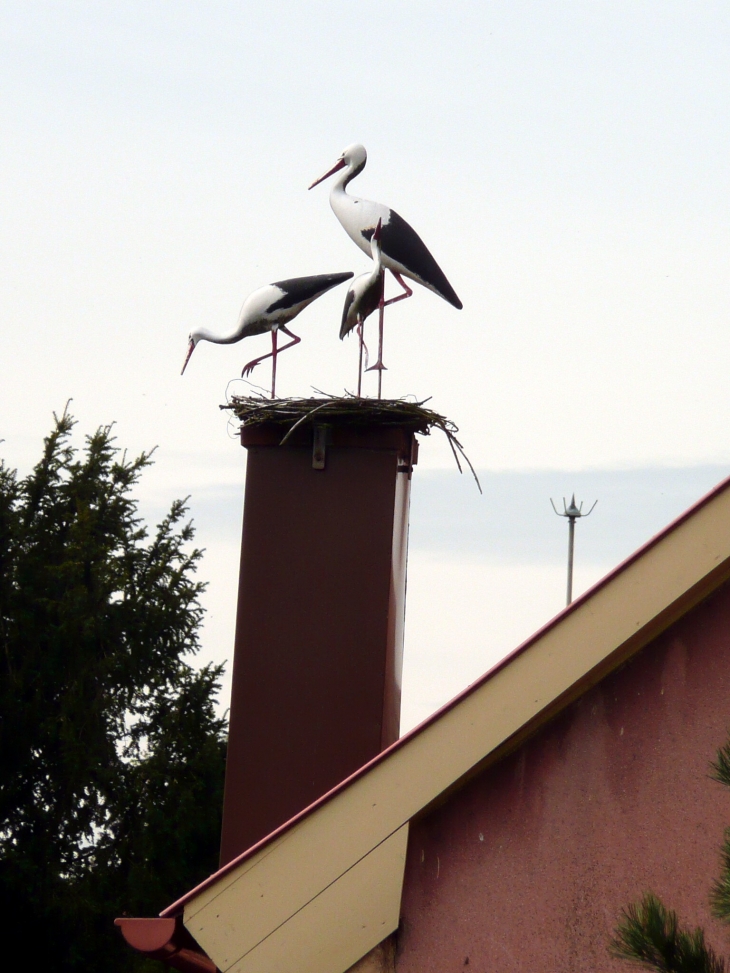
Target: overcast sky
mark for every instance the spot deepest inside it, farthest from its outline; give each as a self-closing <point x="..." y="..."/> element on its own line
<point x="566" y="162"/>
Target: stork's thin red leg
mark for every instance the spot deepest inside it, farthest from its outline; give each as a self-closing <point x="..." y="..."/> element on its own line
<point x="249" y="366"/>
<point x="381" y="325"/>
<point x="274" y="353"/>
<point x="363" y="349"/>
<point x="359" y="364"/>
<point x="379" y="367"/>
<point x="400" y="297"/>
<point x="294" y="341"/>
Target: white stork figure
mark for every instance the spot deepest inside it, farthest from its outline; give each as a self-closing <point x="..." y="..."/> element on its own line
<point x="270" y="308"/>
<point x="364" y="295"/>
<point x="403" y="252"/>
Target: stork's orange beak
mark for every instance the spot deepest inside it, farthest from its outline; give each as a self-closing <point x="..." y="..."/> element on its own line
<point x="191" y="349"/>
<point x="340" y="164"/>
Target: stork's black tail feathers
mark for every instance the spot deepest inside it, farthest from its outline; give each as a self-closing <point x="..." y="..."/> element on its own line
<point x="401" y="243"/>
<point x="298" y="289"/>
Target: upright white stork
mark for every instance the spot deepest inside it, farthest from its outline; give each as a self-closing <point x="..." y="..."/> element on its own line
<point x="403" y="252"/>
<point x="270" y="308"/>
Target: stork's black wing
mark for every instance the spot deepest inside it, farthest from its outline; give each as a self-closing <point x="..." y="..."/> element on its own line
<point x="401" y="243"/>
<point x="344" y="329"/>
<point x="298" y="289"/>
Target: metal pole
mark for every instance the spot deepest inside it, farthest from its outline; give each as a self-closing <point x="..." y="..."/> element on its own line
<point x="572" y="512"/>
<point x="571" y="544"/>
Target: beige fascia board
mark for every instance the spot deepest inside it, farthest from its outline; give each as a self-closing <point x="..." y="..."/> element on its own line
<point x="328" y="935"/>
<point x="615" y="619"/>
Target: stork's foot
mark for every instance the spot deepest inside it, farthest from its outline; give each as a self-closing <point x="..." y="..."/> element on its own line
<point x="377" y="367"/>
<point x="247" y="369"/>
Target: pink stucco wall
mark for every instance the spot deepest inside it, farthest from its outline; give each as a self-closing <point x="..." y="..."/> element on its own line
<point x="527" y="866"/>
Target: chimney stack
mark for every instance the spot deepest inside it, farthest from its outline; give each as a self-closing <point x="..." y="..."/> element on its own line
<point x="321" y="607"/>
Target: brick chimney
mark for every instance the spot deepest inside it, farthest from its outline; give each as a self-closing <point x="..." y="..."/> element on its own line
<point x="321" y="606"/>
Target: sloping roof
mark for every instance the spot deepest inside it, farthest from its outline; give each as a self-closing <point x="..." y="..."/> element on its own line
<point x="324" y="889"/>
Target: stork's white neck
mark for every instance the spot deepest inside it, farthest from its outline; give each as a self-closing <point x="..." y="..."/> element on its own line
<point x="339" y="197"/>
<point x="348" y="173"/>
<point x="204" y="334"/>
<point x="356" y="215"/>
<point x="377" y="255"/>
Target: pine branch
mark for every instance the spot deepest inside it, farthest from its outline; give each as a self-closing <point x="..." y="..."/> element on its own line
<point x="649" y="935"/>
<point x="720" y="894"/>
<point x="720" y="768"/>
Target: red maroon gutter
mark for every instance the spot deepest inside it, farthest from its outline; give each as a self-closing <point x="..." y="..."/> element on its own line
<point x="177" y="907"/>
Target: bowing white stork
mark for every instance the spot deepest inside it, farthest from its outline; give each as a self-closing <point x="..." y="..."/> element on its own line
<point x="270" y="308"/>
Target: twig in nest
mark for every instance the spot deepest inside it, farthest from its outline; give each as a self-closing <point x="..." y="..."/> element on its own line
<point x="307" y="415"/>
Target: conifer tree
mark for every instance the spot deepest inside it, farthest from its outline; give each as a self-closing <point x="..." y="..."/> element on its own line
<point x="111" y="754"/>
<point x="650" y="935"/>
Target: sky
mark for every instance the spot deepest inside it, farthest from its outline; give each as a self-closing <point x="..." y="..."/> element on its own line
<point x="566" y="163"/>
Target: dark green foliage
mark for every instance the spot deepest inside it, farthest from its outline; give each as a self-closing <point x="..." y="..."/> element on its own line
<point x="721" y="766"/>
<point x="111" y="755"/>
<point x="650" y="935"/>
<point x="720" y="895"/>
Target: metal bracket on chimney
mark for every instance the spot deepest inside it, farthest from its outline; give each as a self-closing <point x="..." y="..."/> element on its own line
<point x="406" y="463"/>
<point x="319" y="445"/>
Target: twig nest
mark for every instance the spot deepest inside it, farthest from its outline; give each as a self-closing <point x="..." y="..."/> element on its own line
<point x="346" y="410"/>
